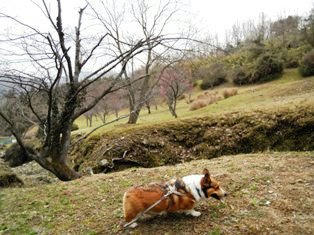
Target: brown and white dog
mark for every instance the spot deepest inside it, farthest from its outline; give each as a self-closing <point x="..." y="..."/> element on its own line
<point x="192" y="188"/>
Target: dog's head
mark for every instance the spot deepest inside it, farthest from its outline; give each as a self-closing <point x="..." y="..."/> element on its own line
<point x="211" y="187"/>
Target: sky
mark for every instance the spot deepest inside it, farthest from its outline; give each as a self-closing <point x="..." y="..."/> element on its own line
<point x="211" y="16"/>
<point x="218" y="16"/>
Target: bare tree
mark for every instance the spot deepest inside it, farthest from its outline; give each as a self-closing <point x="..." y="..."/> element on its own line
<point x="174" y="82"/>
<point x="61" y="66"/>
<point x="151" y="23"/>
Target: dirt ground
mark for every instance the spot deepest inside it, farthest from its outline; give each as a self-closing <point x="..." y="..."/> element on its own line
<point x="269" y="193"/>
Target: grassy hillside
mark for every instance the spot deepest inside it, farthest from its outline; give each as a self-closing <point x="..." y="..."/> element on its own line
<point x="269" y="193"/>
<point x="277" y="115"/>
<point x="287" y="91"/>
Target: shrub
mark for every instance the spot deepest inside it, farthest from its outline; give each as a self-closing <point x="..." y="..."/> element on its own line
<point x="239" y="76"/>
<point x="291" y="57"/>
<point x="267" y="67"/>
<point x="74" y="127"/>
<point x="307" y="64"/>
<point x="204" y="100"/>
<point x="197" y="104"/>
<point x="216" y="76"/>
<point x="230" y="92"/>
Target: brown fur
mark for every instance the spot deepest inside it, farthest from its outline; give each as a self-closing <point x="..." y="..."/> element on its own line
<point x="139" y="198"/>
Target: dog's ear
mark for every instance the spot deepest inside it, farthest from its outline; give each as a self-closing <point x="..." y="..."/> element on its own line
<point x="206" y="174"/>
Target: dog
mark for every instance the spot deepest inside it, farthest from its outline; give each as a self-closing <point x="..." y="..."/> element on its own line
<point x="190" y="189"/>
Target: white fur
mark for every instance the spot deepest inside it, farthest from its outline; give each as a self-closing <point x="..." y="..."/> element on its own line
<point x="193" y="213"/>
<point x="193" y="184"/>
<point x="133" y="225"/>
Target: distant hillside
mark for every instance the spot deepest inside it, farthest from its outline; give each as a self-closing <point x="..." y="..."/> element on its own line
<point x="277" y="115"/>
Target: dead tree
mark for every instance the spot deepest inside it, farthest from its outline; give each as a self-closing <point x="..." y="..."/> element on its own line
<point x="174" y="82"/>
<point x="151" y="23"/>
<point x="61" y="67"/>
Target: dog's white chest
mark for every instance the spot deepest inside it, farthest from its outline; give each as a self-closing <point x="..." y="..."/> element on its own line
<point x="193" y="183"/>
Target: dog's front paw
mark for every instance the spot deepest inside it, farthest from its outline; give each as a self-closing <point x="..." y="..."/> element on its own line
<point x="196" y="213"/>
<point x="133" y="225"/>
<point x="193" y="213"/>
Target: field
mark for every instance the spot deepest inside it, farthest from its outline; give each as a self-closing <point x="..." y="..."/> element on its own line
<point x="288" y="91"/>
<point x="270" y="193"/>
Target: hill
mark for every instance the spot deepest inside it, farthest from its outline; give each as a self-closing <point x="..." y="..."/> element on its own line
<point x="287" y="91"/>
<point x="277" y="115"/>
<point x="272" y="188"/>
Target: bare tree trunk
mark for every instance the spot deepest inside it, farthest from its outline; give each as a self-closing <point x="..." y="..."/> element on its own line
<point x="148" y="107"/>
<point x="104" y="117"/>
<point x="62" y="171"/>
<point x="134" y="116"/>
<point x="172" y="108"/>
<point x="173" y="112"/>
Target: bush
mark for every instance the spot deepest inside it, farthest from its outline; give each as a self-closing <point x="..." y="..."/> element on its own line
<point x="239" y="76"/>
<point x="74" y="127"/>
<point x="307" y="64"/>
<point x="291" y="57"/>
<point x="230" y="92"/>
<point x="267" y="68"/>
<point x="197" y="104"/>
<point x="216" y="76"/>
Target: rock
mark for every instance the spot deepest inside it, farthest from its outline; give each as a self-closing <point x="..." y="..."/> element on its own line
<point x="33" y="174"/>
<point x="14" y="156"/>
<point x="7" y="177"/>
<point x="104" y="162"/>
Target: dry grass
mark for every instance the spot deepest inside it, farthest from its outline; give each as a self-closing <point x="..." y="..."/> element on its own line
<point x="204" y="99"/>
<point x="198" y="104"/>
<point x="269" y="193"/>
<point x="229" y="92"/>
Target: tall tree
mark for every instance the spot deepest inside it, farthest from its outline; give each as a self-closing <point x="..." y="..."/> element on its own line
<point x="150" y="21"/>
<point x="61" y="67"/>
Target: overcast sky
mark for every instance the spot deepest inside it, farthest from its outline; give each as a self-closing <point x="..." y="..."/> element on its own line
<point x="219" y="15"/>
<point x="214" y="16"/>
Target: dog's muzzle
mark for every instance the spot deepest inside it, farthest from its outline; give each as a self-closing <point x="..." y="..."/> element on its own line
<point x="214" y="195"/>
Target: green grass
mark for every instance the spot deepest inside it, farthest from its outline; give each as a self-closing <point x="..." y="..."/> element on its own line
<point x="289" y="90"/>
